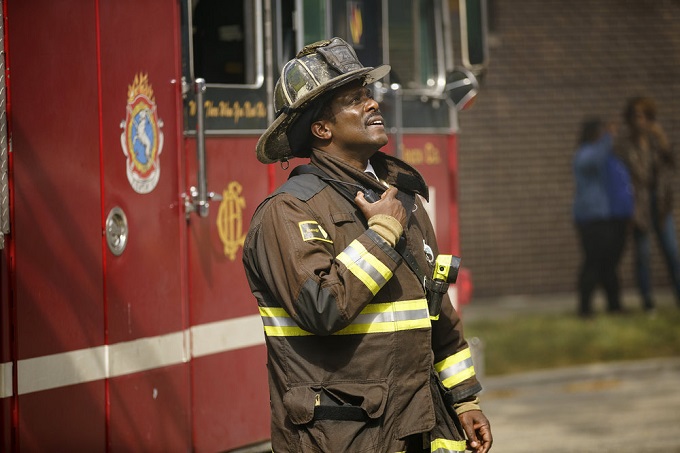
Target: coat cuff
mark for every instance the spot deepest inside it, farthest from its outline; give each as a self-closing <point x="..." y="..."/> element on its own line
<point x="387" y="227"/>
<point x="465" y="406"/>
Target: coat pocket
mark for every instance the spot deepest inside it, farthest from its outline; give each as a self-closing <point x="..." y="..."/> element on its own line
<point x="339" y="416"/>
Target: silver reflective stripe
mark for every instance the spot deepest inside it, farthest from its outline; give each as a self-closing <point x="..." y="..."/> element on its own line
<point x="374" y="318"/>
<point x="455" y="369"/>
<point x="364" y="265"/>
<point x="278" y="321"/>
<point x="391" y="316"/>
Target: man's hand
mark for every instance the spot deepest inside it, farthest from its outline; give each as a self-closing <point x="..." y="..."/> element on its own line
<point x="387" y="205"/>
<point x="478" y="431"/>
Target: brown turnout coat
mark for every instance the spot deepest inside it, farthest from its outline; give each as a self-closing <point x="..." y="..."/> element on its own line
<point x="355" y="360"/>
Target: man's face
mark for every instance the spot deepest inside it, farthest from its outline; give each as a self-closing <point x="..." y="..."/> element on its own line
<point x="356" y="123"/>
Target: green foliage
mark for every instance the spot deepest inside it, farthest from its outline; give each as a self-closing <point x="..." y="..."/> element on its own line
<point x="543" y="341"/>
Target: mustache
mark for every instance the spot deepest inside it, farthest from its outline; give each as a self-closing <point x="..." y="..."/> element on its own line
<point x="374" y="114"/>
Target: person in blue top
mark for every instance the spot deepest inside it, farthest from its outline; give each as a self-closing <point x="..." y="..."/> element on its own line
<point x="603" y="206"/>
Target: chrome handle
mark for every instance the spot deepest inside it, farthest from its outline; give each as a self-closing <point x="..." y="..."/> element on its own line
<point x="198" y="198"/>
<point x="202" y="199"/>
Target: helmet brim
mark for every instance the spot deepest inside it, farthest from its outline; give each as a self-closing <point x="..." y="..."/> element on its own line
<point x="273" y="144"/>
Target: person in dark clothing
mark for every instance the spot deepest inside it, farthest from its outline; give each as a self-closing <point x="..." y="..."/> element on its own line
<point x="365" y="350"/>
<point x="647" y="153"/>
<point x="603" y="206"/>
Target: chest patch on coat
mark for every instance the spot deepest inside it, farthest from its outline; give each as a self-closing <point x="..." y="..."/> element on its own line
<point x="312" y="231"/>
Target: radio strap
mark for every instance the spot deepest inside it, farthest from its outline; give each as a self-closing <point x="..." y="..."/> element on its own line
<point x="407" y="200"/>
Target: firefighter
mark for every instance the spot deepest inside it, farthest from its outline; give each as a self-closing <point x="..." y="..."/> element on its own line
<point x="365" y="351"/>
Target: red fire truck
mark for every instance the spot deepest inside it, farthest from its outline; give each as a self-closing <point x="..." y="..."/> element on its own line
<point x="127" y="179"/>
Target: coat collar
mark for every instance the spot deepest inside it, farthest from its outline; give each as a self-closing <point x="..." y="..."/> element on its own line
<point x="390" y="169"/>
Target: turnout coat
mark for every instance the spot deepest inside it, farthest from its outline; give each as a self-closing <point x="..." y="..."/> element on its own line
<point x="356" y="360"/>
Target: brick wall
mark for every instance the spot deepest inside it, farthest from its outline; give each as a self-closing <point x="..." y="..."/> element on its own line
<point x="552" y="62"/>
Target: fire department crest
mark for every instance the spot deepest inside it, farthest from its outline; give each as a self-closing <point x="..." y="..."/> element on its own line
<point x="230" y="219"/>
<point x="142" y="138"/>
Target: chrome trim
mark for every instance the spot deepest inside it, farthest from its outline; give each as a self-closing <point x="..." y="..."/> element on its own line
<point x="465" y="56"/>
<point x="116" y="231"/>
<point x="386" y="35"/>
<point x="277" y="46"/>
<point x="449" y="62"/>
<point x="202" y="202"/>
<point x="298" y="26"/>
<point x="439" y="47"/>
<point x="190" y="32"/>
<point x="198" y="198"/>
<point x="4" y="148"/>
<point x="329" y="19"/>
<point x="270" y="58"/>
<point x="398" y="119"/>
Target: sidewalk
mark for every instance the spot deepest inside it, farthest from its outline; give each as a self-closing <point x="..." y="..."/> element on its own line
<point x="619" y="407"/>
<point x="613" y="407"/>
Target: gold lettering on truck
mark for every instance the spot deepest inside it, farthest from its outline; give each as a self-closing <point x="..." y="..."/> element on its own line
<point x="234" y="110"/>
<point x="428" y="155"/>
<point x="230" y="219"/>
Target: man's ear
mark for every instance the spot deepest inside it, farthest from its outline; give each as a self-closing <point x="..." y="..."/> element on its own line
<point x="320" y="130"/>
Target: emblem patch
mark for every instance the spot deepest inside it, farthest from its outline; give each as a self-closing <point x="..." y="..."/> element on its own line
<point x="230" y="219"/>
<point x="142" y="139"/>
<point x="312" y="231"/>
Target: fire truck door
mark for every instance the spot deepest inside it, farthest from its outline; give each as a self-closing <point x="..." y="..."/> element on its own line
<point x="56" y="231"/>
<point x="145" y="270"/>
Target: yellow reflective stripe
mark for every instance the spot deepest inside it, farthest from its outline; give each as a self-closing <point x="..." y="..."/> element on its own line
<point x="447" y="446"/>
<point x="459" y="377"/>
<point x="450" y="361"/>
<point x="455" y="369"/>
<point x="273" y="311"/>
<point x="390" y="317"/>
<point x="402" y="305"/>
<point x="383" y="327"/>
<point x="374" y="318"/>
<point x="359" y="273"/>
<point x="277" y="323"/>
<point x="365" y="266"/>
<point x="288" y="331"/>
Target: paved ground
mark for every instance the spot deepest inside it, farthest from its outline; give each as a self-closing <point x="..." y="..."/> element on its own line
<point x="623" y="407"/>
<point x="620" y="407"/>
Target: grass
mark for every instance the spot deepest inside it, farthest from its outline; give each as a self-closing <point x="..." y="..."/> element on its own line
<point x="543" y="341"/>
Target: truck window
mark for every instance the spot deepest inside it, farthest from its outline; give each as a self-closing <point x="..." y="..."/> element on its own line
<point x="413" y="44"/>
<point x="300" y="22"/>
<point x="224" y="41"/>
